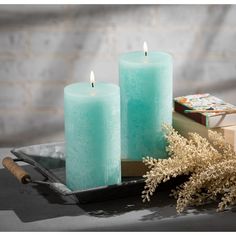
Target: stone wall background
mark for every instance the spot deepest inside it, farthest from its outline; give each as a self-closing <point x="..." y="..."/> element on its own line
<point x="44" y="48"/>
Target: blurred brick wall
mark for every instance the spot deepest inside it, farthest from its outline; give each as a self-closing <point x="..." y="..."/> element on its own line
<point x="44" y="48"/>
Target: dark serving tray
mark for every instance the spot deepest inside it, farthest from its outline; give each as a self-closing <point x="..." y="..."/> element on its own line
<point x="49" y="161"/>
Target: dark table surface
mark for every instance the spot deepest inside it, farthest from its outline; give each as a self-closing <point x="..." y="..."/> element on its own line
<point x="33" y="208"/>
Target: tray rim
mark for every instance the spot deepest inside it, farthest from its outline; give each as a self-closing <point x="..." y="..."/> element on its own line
<point x="53" y="179"/>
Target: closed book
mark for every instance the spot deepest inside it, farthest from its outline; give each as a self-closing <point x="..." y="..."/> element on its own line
<point x="184" y="126"/>
<point x="206" y="102"/>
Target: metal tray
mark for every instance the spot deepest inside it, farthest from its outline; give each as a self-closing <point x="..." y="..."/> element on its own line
<point x="49" y="160"/>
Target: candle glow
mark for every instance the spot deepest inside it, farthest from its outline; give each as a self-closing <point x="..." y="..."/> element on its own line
<point x="145" y="48"/>
<point x="92" y="78"/>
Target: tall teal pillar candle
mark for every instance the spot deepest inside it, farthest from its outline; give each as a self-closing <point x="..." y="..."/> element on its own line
<point x="92" y="134"/>
<point x="146" y="103"/>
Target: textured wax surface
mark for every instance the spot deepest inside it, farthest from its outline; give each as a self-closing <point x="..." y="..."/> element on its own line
<point x="146" y="103"/>
<point x="92" y="132"/>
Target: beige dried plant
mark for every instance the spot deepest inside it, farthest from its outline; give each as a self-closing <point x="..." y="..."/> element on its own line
<point x="211" y="167"/>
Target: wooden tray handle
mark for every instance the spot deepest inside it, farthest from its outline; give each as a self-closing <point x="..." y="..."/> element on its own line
<point x="16" y="170"/>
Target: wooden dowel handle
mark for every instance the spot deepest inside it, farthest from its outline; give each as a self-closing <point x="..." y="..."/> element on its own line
<point x="16" y="170"/>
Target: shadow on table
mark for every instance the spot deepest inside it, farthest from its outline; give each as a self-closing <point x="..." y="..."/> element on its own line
<point x="169" y="212"/>
<point x="35" y="202"/>
<point x="124" y="205"/>
<point x="160" y="207"/>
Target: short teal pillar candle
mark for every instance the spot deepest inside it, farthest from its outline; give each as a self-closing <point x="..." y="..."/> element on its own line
<point x="146" y="103"/>
<point x="92" y="135"/>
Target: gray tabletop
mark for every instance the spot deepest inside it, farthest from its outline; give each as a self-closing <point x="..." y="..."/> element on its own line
<point x="33" y="208"/>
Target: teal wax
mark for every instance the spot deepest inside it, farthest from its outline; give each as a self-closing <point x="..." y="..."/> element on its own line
<point x="92" y="135"/>
<point x="146" y="103"/>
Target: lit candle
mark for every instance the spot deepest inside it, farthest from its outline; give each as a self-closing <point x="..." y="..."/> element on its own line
<point x="92" y="134"/>
<point x="146" y="102"/>
<point x="92" y="79"/>
<point x="145" y="48"/>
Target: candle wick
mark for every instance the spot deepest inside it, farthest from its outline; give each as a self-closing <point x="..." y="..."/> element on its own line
<point x="92" y="85"/>
<point x="145" y="54"/>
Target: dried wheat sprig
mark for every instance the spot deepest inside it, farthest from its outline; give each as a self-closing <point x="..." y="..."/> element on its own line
<point x="211" y="166"/>
<point x="228" y="199"/>
<point x="221" y="145"/>
<point x="212" y="177"/>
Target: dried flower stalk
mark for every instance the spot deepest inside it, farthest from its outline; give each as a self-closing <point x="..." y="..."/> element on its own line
<point x="211" y="167"/>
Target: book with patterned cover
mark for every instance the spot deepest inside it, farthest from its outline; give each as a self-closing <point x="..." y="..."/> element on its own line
<point x="206" y="102"/>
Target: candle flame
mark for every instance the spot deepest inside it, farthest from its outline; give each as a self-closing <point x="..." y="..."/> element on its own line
<point x="92" y="78"/>
<point x="145" y="48"/>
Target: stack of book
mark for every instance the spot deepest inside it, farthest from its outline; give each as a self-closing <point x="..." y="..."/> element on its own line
<point x="201" y="112"/>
